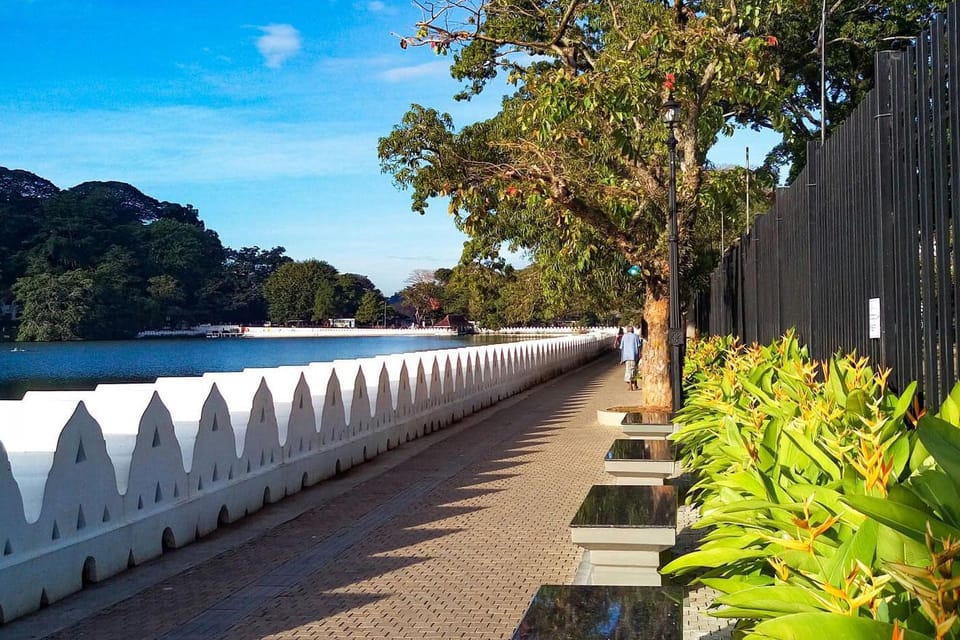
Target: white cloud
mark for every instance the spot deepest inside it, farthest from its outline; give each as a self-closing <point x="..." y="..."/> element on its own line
<point x="402" y="74"/>
<point x="376" y="6"/>
<point x="278" y="44"/>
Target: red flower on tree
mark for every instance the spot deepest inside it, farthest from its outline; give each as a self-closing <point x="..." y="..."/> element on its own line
<point x="772" y="41"/>
<point x="669" y="82"/>
<point x="512" y="191"/>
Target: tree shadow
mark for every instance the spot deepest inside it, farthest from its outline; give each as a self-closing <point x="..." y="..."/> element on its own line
<point x="325" y="561"/>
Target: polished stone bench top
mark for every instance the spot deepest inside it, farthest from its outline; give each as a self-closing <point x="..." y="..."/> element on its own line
<point x="626" y="449"/>
<point x="599" y="613"/>
<point x="647" y="417"/>
<point x="627" y="506"/>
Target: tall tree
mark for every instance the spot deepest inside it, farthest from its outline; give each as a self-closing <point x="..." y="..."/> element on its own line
<point x="55" y="307"/>
<point x="300" y="291"/>
<point x="422" y="295"/>
<point x="240" y="289"/>
<point x="374" y="310"/>
<point x="350" y="290"/>
<point x="574" y="167"/>
<point x="190" y="254"/>
<point x="855" y="31"/>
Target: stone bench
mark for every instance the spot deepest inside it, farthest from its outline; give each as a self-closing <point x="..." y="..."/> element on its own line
<point x="640" y="461"/>
<point x="623" y="530"/>
<point x="600" y="612"/>
<point x="635" y="422"/>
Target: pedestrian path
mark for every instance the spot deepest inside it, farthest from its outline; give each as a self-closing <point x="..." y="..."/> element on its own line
<point x="446" y="537"/>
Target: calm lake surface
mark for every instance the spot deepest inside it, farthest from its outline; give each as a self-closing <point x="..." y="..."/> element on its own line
<point x="84" y="365"/>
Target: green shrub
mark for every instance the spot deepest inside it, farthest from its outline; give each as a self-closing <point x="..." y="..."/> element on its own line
<point x="807" y="472"/>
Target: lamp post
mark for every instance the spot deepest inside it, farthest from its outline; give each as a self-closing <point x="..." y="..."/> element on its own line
<point x="675" y="333"/>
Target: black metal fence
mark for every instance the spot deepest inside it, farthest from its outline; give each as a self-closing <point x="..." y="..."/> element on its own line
<point x="862" y="251"/>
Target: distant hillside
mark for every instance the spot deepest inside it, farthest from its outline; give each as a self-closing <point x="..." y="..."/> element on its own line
<point x="19" y="184"/>
<point x="104" y="260"/>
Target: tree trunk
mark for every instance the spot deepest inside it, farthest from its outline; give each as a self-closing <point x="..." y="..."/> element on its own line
<point x="655" y="368"/>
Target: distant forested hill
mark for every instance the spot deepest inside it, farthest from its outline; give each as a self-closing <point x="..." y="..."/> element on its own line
<point x="103" y="260"/>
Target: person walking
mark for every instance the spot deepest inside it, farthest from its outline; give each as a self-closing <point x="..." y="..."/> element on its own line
<point x="629" y="355"/>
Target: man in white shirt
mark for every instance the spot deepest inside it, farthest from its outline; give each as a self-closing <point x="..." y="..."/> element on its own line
<point x="629" y="356"/>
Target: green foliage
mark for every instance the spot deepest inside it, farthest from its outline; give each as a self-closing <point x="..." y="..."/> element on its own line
<point x="574" y="168"/>
<point x="137" y="263"/>
<point x="240" y="289"/>
<point x="374" y="310"/>
<point x="574" y="165"/>
<point x="349" y="291"/>
<point x="421" y="297"/>
<point x="301" y="292"/>
<point x="781" y="444"/>
<point x="55" y="307"/>
<point x="828" y="512"/>
<point x="855" y="31"/>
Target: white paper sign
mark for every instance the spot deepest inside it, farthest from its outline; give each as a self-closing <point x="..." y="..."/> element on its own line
<point x="874" y="317"/>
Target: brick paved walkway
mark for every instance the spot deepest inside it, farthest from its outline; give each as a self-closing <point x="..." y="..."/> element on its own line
<point x="445" y="537"/>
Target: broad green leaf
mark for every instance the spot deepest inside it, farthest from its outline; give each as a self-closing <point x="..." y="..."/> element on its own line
<point x="774" y="600"/>
<point x="814" y="452"/>
<point x="949" y="411"/>
<point x="817" y="626"/>
<point x="743" y="480"/>
<point x="835" y="384"/>
<point x="857" y="402"/>
<point x="893" y="546"/>
<point x="861" y="546"/>
<point x="759" y="393"/>
<point x="712" y="558"/>
<point x="933" y="488"/>
<point x="900" y="517"/>
<point x="919" y="456"/>
<point x="942" y="440"/>
<point x="904" y="401"/>
<point x="900" y="452"/>
<point x="738" y="583"/>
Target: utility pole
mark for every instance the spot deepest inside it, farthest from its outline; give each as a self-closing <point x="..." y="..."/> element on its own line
<point x="823" y="73"/>
<point x="748" y="187"/>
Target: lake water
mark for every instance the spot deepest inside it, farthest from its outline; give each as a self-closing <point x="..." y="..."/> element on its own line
<point x="83" y="365"/>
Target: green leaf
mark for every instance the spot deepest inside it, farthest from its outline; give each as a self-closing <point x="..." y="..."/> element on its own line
<point x="942" y="440"/>
<point x="934" y="489"/>
<point x="904" y="401"/>
<point x="814" y="452"/>
<point x="744" y="481"/>
<point x="861" y="546"/>
<point x="817" y="626"/>
<point x="900" y="453"/>
<point x="857" y="402"/>
<point x="835" y="384"/>
<point x="712" y="558"/>
<point x="738" y="583"/>
<point x="774" y="600"/>
<point x="907" y="520"/>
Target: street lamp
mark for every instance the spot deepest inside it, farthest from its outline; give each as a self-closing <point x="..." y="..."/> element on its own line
<point x="675" y="333"/>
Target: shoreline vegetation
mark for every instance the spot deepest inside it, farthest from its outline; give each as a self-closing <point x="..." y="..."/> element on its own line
<point x="103" y="261"/>
<point x="238" y="331"/>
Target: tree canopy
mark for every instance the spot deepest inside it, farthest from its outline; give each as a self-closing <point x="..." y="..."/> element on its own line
<point x="574" y="168"/>
<point x="103" y="260"/>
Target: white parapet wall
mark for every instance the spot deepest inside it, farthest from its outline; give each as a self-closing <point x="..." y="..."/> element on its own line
<point x="94" y="482"/>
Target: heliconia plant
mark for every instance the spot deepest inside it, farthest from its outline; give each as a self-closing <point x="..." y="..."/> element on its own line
<point x="825" y="500"/>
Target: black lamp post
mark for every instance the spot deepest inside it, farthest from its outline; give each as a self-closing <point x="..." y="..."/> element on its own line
<point x="675" y="334"/>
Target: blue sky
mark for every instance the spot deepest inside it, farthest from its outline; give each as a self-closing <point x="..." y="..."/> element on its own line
<point x="263" y="115"/>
